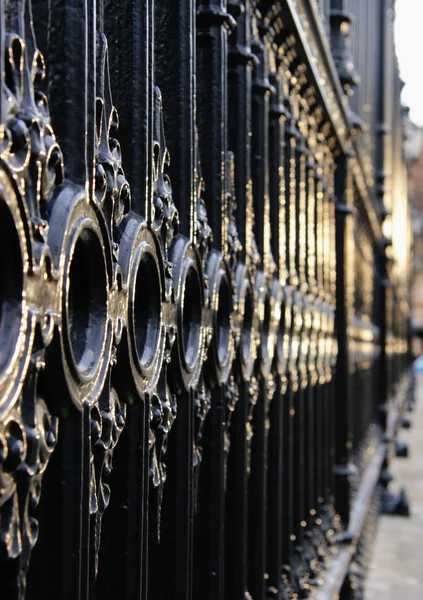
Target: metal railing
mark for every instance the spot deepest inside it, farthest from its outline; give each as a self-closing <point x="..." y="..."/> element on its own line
<point x="203" y="305"/>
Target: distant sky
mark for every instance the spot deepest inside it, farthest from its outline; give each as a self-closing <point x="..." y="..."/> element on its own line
<point x="409" y="44"/>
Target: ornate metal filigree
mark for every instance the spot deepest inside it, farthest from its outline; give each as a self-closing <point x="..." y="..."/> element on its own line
<point x="234" y="246"/>
<point x="166" y="217"/>
<point x="208" y="332"/>
<point x="28" y="437"/>
<point x="111" y="192"/>
<point x="112" y="196"/>
<point x="165" y="221"/>
<point x="203" y="232"/>
<point x="31" y="170"/>
<point x="107" y="423"/>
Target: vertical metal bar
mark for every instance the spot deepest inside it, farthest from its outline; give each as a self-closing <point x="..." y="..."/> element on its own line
<point x="94" y="17"/>
<point x="328" y="208"/>
<point x="275" y="530"/>
<point x="213" y="25"/>
<point x="257" y="499"/>
<point x="260" y="158"/>
<point x="131" y="79"/>
<point x="129" y="28"/>
<point x="184" y="489"/>
<point x="333" y="345"/>
<point x="123" y="538"/>
<point x="320" y="276"/>
<point x="62" y="524"/>
<point x="67" y="59"/>
<point x="236" y="539"/>
<point x="239" y="139"/>
<point x="342" y="320"/>
<point x="313" y="287"/>
<point x="88" y="570"/>
<point x="209" y="551"/>
<point x="380" y="160"/>
<point x="85" y="506"/>
<point x="260" y="175"/>
<point x="241" y="62"/>
<point x="173" y="552"/>
<point x="304" y="369"/>
<point x="277" y="212"/>
<point x="277" y="182"/>
<point x="298" y="227"/>
<point x="289" y="410"/>
<point x="174" y="73"/>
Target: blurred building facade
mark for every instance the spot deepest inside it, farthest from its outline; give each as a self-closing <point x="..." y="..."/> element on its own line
<point x="413" y="147"/>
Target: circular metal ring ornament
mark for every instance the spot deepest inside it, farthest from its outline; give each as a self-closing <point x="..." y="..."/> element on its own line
<point x="16" y="323"/>
<point x="285" y="331"/>
<point x="188" y="351"/>
<point x="321" y="343"/>
<point x="268" y="297"/>
<point x="84" y="303"/>
<point x="329" y="337"/>
<point x="82" y="255"/>
<point x="296" y="326"/>
<point x="306" y="335"/>
<point x="143" y="276"/>
<point x="248" y="317"/>
<point x="314" y="329"/>
<point x="280" y="354"/>
<point x="221" y="350"/>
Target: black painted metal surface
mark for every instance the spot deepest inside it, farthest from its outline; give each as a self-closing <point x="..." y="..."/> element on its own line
<point x="203" y="305"/>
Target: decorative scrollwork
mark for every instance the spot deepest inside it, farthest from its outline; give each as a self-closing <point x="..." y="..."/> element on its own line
<point x="163" y="411"/>
<point x="253" y="254"/>
<point x="231" y="399"/>
<point x="31" y="170"/>
<point x="162" y="401"/>
<point x="203" y="232"/>
<point x="233" y="243"/>
<point x="33" y="162"/>
<point x="112" y="192"/>
<point x="107" y="423"/>
<point x="166" y="216"/>
<point x="122" y="320"/>
<point x="27" y="438"/>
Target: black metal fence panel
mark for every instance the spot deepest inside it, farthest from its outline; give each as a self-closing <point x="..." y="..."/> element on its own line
<point x="203" y="312"/>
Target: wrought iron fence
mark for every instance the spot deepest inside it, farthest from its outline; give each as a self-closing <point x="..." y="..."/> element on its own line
<point x="203" y="300"/>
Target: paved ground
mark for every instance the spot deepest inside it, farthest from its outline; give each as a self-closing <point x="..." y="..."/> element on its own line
<point x="396" y="572"/>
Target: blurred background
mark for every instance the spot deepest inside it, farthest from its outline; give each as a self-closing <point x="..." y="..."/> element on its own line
<point x="395" y="572"/>
<point x="409" y="48"/>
